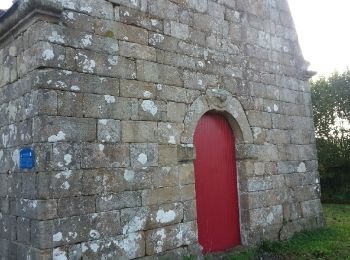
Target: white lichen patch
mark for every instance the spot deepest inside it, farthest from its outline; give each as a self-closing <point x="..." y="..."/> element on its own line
<point x="84" y="248"/>
<point x="142" y="158"/>
<point x="67" y="72"/>
<point x="172" y="140"/>
<point x="75" y="88"/>
<point x="109" y="99"/>
<point x="57" y="237"/>
<point x="5" y="139"/>
<point x="55" y="37"/>
<point x="275" y="108"/>
<point x="113" y="60"/>
<point x="12" y="111"/>
<point x="87" y="9"/>
<point x="270" y="218"/>
<point x="147" y="94"/>
<point x="55" y="138"/>
<point x="103" y="121"/>
<point x="66" y="174"/>
<point x="257" y="131"/>
<point x="32" y="204"/>
<point x="268" y="109"/>
<point x="134" y="2"/>
<point x="149" y="106"/>
<point x="156" y="39"/>
<point x="65" y="185"/>
<point x="48" y="54"/>
<point x="86" y="64"/>
<point x="154" y="22"/>
<point x="70" y="16"/>
<point x="201" y="64"/>
<point x="165" y="216"/>
<point x="101" y="147"/>
<point x="301" y="168"/>
<point x="160" y="236"/>
<point x="94" y="247"/>
<point x="73" y="235"/>
<point x="86" y="40"/>
<point x="60" y="84"/>
<point x="58" y="254"/>
<point x="67" y="158"/>
<point x="135" y="224"/>
<point x="130" y="245"/>
<point x="94" y="234"/>
<point x="159" y="87"/>
<point x="129" y="175"/>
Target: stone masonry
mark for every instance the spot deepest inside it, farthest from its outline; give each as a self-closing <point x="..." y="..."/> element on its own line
<point x="108" y="94"/>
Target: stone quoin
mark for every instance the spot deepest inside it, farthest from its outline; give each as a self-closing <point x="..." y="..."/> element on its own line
<point x="106" y="96"/>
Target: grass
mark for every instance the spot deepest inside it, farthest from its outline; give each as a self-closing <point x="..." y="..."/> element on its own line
<point x="331" y="242"/>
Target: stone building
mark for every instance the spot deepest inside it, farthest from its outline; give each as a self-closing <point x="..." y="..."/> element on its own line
<point x="99" y="104"/>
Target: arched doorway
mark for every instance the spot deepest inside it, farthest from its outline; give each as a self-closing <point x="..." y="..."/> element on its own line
<point x="216" y="184"/>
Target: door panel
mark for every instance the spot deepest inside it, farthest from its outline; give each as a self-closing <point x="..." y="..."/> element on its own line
<point x="216" y="184"/>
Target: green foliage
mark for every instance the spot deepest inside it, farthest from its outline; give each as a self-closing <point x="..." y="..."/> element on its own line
<point x="331" y="242"/>
<point x="331" y="109"/>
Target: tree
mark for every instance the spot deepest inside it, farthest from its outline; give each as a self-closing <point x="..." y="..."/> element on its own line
<point x="331" y="108"/>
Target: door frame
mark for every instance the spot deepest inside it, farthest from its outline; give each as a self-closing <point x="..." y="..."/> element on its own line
<point x="232" y="110"/>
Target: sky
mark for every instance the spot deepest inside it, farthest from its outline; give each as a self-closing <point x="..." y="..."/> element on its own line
<point x="322" y="27"/>
<point x="323" y="32"/>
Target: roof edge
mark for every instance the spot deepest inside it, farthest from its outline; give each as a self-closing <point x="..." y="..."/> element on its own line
<point x="20" y="10"/>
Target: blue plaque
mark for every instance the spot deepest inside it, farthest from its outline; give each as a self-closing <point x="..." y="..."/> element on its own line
<point x="27" y="159"/>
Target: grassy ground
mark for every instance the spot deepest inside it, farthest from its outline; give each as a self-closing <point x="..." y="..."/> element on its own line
<point x="331" y="242"/>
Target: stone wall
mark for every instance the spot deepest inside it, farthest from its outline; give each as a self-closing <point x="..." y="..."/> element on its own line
<point x="108" y="94"/>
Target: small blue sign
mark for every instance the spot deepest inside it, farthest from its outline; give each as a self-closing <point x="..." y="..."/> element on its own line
<point x="27" y="158"/>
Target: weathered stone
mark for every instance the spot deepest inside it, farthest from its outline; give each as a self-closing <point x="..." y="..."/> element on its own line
<point x="121" y="31"/>
<point x="168" y="155"/>
<point x="139" y="131"/>
<point x="75" y="206"/>
<point x="158" y="73"/>
<point x="63" y="129"/>
<point x="145" y="218"/>
<point x="144" y="155"/>
<point x="166" y="177"/>
<point x="127" y="246"/>
<point x="104" y="155"/>
<point x="107" y="106"/>
<point x="36" y="209"/>
<point x="108" y="94"/>
<point x="169" y="133"/>
<point x="59" y="184"/>
<point x="176" y="112"/>
<point x="108" y="130"/>
<point x="151" y="110"/>
<point x="126" y="199"/>
<point x="163" y="9"/>
<point x="137" y="51"/>
<point x="181" y="234"/>
<point x="186" y="174"/>
<point x="160" y="196"/>
<point x="137" y="89"/>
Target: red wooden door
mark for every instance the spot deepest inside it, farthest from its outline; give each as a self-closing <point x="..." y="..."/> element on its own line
<point x="216" y="184"/>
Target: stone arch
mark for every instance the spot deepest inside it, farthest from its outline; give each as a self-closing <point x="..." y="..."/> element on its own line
<point x="222" y="101"/>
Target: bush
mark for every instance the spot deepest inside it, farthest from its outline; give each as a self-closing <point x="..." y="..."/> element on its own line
<point x="331" y="109"/>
